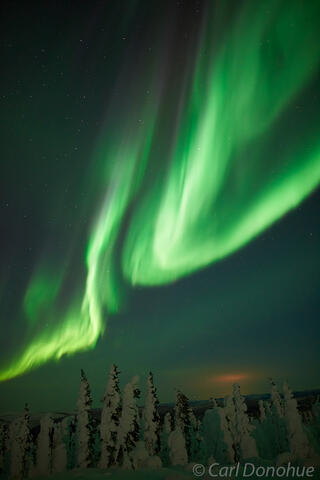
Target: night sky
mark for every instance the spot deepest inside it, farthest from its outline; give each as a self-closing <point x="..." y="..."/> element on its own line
<point x="159" y="197"/>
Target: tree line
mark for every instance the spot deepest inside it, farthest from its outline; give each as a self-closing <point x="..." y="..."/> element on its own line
<point x="128" y="440"/>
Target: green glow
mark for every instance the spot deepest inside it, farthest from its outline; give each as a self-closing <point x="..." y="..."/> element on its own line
<point x="101" y="288"/>
<point x="81" y="325"/>
<point x="206" y="209"/>
<point x="222" y="183"/>
<point x="41" y="294"/>
<point x="75" y="333"/>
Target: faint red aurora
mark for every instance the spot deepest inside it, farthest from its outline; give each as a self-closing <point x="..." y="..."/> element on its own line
<point x="231" y="377"/>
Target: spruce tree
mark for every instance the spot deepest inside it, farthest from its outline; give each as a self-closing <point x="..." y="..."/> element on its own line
<point x="110" y="417"/>
<point x="20" y="440"/>
<point x="152" y="419"/>
<point x="277" y="420"/>
<point x="262" y="411"/>
<point x="44" y="446"/>
<point x="276" y="401"/>
<point x="300" y="448"/>
<point x="177" y="447"/>
<point x="182" y="419"/>
<point x="85" y="428"/>
<point x="217" y="440"/>
<point x="246" y="443"/>
<point x="166" y="430"/>
<point x="70" y="441"/>
<point x="128" y="433"/>
<point x="4" y="447"/>
<point x="59" y="452"/>
<point x="230" y="413"/>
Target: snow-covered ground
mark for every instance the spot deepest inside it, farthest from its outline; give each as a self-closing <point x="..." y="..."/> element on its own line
<point x="120" y="474"/>
<point x="161" y="474"/>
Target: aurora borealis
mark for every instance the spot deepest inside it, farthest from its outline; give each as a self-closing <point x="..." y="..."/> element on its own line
<point x="151" y="143"/>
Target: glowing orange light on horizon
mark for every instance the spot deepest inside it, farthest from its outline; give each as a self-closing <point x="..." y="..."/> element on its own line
<point x="231" y="377"/>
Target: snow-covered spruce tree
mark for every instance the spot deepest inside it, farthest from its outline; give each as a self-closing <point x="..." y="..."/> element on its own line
<point x="182" y="419"/>
<point x="245" y="442"/>
<point x="217" y="439"/>
<point x="165" y="432"/>
<point x="316" y="408"/>
<point x="179" y="440"/>
<point x="177" y="447"/>
<point x="314" y="426"/>
<point x="59" y="451"/>
<point x="266" y="433"/>
<point x="44" y="446"/>
<point x="70" y="441"/>
<point x="276" y="401"/>
<point x="20" y="442"/>
<point x="300" y="448"/>
<point x="229" y="412"/>
<point x="267" y="407"/>
<point x="277" y="417"/>
<point x="167" y="423"/>
<point x="307" y="417"/>
<point x="4" y="447"/>
<point x="85" y="430"/>
<point x="128" y="432"/>
<point x="195" y="437"/>
<point x="110" y="417"/>
<point x="152" y="426"/>
<point x="227" y="438"/>
<point x="193" y="419"/>
<point x="139" y="455"/>
<point x="262" y="411"/>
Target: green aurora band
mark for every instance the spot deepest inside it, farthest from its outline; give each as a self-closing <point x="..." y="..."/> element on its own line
<point x="219" y="187"/>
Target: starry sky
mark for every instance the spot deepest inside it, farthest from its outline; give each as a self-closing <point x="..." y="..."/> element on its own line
<point x="159" y="197"/>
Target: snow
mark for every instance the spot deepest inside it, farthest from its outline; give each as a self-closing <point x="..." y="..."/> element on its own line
<point x="119" y="474"/>
<point x="276" y="401"/>
<point x="140" y="455"/>
<point x="128" y="432"/>
<point x="177" y="447"/>
<point x="299" y="445"/>
<point x="59" y="453"/>
<point x="43" y="465"/>
<point x="247" y="444"/>
<point x="218" y="438"/>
